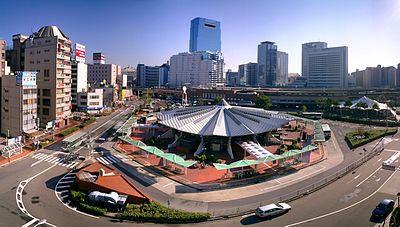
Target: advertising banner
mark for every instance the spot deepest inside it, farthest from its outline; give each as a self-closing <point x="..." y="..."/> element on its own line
<point x="26" y="78"/>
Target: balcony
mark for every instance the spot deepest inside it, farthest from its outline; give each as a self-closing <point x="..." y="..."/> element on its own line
<point x="62" y="66"/>
<point x="63" y="57"/>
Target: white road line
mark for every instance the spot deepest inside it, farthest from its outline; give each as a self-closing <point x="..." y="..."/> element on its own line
<point x="56" y="160"/>
<point x="70" y="164"/>
<point x="345" y="208"/>
<point x="47" y="159"/>
<point x="75" y="164"/>
<point x="277" y="181"/>
<point x="357" y="176"/>
<point x="104" y="161"/>
<point x="69" y="177"/>
<point x="30" y="222"/>
<point x="33" y="164"/>
<point x="248" y="215"/>
<point x="35" y="155"/>
<point x="109" y="160"/>
<point x="64" y="196"/>
<point x="40" y="156"/>
<point x="63" y="164"/>
<point x="67" y="182"/>
<point x="64" y="186"/>
<point x="99" y="160"/>
<point x="379" y="159"/>
<point x="52" y="159"/>
<point x="115" y="159"/>
<point x="63" y="191"/>
<point x="167" y="185"/>
<point x="70" y="173"/>
<point x="368" y="177"/>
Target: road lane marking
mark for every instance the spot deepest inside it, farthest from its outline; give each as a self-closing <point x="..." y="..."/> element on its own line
<point x="357" y="176"/>
<point x="379" y="159"/>
<point x="67" y="182"/>
<point x="33" y="164"/>
<point x="277" y="181"/>
<point x="345" y="208"/>
<point x="167" y="185"/>
<point x="75" y="164"/>
<point x="30" y="223"/>
<point x="248" y="215"/>
<point x="368" y="177"/>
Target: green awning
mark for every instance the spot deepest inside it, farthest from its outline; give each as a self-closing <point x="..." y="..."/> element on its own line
<point x="219" y="166"/>
<point x="309" y="148"/>
<point x="242" y="163"/>
<point x="269" y="158"/>
<point x="154" y="150"/>
<point x="291" y="153"/>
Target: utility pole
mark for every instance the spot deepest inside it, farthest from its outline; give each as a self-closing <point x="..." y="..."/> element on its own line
<point x="37" y="135"/>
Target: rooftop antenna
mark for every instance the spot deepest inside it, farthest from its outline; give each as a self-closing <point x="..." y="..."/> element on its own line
<point x="184" y="97"/>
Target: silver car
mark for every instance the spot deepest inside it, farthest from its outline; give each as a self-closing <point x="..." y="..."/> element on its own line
<point x="272" y="209"/>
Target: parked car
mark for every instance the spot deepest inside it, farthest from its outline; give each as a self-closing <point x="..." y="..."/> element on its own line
<point x="384" y="208"/>
<point x="272" y="209"/>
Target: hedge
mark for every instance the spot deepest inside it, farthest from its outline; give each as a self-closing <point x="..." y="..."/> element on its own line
<point x="68" y="131"/>
<point x="155" y="212"/>
<point x="361" y="121"/>
<point x="369" y="136"/>
<point x="87" y="122"/>
<point x="395" y="218"/>
<point x="79" y="200"/>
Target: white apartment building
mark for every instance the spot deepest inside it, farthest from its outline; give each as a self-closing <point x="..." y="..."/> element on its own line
<point x="323" y="66"/>
<point x="48" y="52"/>
<point x="79" y="75"/>
<point x="19" y="104"/>
<point x="202" y="68"/>
<point x="100" y="73"/>
<point x="91" y="102"/>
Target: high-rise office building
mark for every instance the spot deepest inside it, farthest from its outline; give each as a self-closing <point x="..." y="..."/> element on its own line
<point x="323" y="66"/>
<point x="232" y="78"/>
<point x="79" y="73"/>
<point x="282" y="68"/>
<point x="16" y="55"/>
<point x="200" y="68"/>
<point x="205" y="35"/>
<point x="267" y="63"/>
<point x="248" y="74"/>
<point x="19" y="104"/>
<point x="48" y="52"/>
<point x="100" y="73"/>
<point x="151" y="76"/>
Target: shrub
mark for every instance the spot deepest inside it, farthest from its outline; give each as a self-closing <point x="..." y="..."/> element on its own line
<point x="68" y="131"/>
<point x="354" y="140"/>
<point x="155" y="212"/>
<point x="79" y="200"/>
<point x="395" y="218"/>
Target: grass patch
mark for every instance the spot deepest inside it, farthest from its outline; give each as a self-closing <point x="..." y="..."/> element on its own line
<point x="155" y="212"/>
<point x="79" y="200"/>
<point x="68" y="131"/>
<point x="361" y="137"/>
<point x="88" y="122"/>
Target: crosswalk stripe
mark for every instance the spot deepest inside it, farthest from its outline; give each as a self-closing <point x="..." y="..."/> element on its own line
<point x="66" y="182"/>
<point x="37" y="154"/>
<point x="40" y="156"/>
<point x="63" y="191"/>
<point x="57" y="160"/>
<point x="70" y="173"/>
<point x="47" y="158"/>
<point x="62" y="164"/>
<point x="109" y="160"/>
<point x="115" y="159"/>
<point x="64" y="196"/>
<point x="101" y="161"/>
<point x="52" y="159"/>
<point x="104" y="161"/>
<point x="64" y="186"/>
<point x="75" y="164"/>
<point x="69" y="177"/>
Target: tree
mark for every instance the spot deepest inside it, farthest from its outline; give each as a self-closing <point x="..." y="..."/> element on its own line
<point x="375" y="106"/>
<point x="325" y="103"/>
<point x="263" y="101"/>
<point x="217" y="99"/>
<point x="304" y="108"/>
<point x="362" y="105"/>
<point x="382" y="98"/>
<point x="347" y="103"/>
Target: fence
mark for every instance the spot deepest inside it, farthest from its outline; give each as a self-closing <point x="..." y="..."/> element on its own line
<point x="226" y="212"/>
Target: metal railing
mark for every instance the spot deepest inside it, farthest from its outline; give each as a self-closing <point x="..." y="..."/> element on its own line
<point x="226" y="212"/>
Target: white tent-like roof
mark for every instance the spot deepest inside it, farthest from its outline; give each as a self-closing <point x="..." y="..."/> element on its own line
<point x="222" y="119"/>
<point x="369" y="102"/>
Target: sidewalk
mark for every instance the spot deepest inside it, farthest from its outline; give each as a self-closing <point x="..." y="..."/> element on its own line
<point x="190" y="199"/>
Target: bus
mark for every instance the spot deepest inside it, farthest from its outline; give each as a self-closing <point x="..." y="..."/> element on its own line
<point x="71" y="142"/>
<point x="327" y="130"/>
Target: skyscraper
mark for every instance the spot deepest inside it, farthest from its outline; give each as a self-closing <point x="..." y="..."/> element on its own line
<point x="282" y="68"/>
<point x="323" y="66"/>
<point x="248" y="74"/>
<point x="48" y="52"/>
<point x="205" y="35"/>
<point x="267" y="59"/>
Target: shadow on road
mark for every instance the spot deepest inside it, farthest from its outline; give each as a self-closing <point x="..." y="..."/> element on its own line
<point x="254" y="219"/>
<point x="51" y="183"/>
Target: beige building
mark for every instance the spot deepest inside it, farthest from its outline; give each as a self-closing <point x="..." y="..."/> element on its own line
<point x="48" y="52"/>
<point x="91" y="102"/>
<point x="2" y="57"/>
<point x="100" y="72"/>
<point x="19" y="97"/>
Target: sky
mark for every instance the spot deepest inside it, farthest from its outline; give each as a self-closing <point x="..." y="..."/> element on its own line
<point x="151" y="31"/>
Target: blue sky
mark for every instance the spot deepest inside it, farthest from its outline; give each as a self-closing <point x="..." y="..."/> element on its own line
<point x="151" y="31"/>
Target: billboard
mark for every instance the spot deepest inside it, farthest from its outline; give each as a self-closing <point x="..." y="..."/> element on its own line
<point x="99" y="58"/>
<point x="80" y="52"/>
<point x="26" y="78"/>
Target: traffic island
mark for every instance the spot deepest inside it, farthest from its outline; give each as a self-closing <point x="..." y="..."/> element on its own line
<point x="361" y="137"/>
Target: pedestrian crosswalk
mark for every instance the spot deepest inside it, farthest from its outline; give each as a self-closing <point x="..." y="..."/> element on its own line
<point x="109" y="159"/>
<point x="54" y="160"/>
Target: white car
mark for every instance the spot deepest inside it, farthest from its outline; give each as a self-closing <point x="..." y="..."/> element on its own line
<point x="272" y="209"/>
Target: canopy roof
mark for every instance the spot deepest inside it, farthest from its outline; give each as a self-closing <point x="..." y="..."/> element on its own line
<point x="222" y="119"/>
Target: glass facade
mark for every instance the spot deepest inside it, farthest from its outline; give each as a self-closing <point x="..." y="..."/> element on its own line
<point x="205" y="35"/>
<point x="267" y="60"/>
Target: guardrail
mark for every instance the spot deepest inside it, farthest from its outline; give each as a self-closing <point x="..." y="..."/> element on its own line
<point x="226" y="212"/>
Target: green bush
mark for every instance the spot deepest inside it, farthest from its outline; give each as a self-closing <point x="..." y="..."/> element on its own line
<point x="87" y="122"/>
<point x="155" y="212"/>
<point x="68" y="131"/>
<point x="395" y="218"/>
<point x="366" y="136"/>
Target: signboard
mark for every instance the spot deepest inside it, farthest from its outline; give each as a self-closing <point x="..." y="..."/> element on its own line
<point x="26" y="78"/>
<point x="80" y="52"/>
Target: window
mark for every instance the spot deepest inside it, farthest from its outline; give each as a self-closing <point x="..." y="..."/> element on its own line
<point x="47" y="41"/>
<point x="46" y="102"/>
<point x="47" y="50"/>
<point x="83" y="103"/>
<point x="46" y="72"/>
<point x="94" y="97"/>
<point x="93" y="103"/>
<point x="38" y="51"/>
<point x="46" y="60"/>
<point x="46" y="111"/>
<point x="46" y="92"/>
<point x="38" y="91"/>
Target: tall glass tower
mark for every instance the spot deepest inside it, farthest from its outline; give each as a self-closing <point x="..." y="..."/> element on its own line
<point x="267" y="59"/>
<point x="205" y="35"/>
